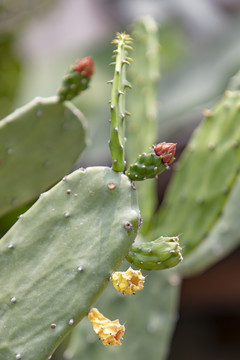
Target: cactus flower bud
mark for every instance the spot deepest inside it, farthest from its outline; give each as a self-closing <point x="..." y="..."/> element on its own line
<point x="85" y="66"/>
<point x="166" y="151"/>
<point x="151" y="164"/>
<point x="128" y="282"/>
<point x="110" y="332"/>
<point x="77" y="79"/>
<point x="162" y="253"/>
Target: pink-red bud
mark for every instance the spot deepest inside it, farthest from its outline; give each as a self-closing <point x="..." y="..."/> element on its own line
<point x="85" y="66"/>
<point x="166" y="151"/>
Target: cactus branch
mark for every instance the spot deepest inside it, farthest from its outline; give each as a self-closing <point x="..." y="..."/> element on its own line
<point x="117" y="107"/>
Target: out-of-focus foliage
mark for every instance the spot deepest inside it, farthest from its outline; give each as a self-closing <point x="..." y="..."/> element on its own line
<point x="9" y="73"/>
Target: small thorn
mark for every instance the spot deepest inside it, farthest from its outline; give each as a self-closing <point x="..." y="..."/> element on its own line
<point x="109" y="81"/>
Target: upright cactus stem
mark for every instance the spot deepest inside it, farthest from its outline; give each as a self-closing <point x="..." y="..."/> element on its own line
<point x="117" y="107"/>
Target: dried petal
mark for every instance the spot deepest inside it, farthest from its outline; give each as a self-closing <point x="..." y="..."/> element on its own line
<point x="127" y="282"/>
<point x="110" y="332"/>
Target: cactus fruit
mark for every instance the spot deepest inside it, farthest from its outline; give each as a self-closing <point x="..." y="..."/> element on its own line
<point x="117" y="107"/>
<point x="110" y="332"/>
<point x="77" y="79"/>
<point x="39" y="143"/>
<point x="151" y="164"/>
<point x="162" y="253"/>
<point x="205" y="178"/>
<point x="59" y="256"/>
<point x="128" y="282"/>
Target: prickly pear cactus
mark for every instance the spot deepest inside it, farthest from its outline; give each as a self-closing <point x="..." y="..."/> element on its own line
<point x="58" y="258"/>
<point x="148" y="332"/>
<point x="39" y="143"/>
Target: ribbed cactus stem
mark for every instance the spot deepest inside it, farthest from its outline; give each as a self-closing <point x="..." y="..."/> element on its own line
<point x="117" y="107"/>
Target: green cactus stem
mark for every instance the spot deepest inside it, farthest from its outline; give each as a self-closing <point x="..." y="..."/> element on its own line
<point x="58" y="257"/>
<point x="162" y="253"/>
<point x="39" y="144"/>
<point x="151" y="164"/>
<point x="77" y="79"/>
<point x="118" y="112"/>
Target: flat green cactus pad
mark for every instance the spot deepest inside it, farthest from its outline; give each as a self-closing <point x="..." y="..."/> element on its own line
<point x="206" y="176"/>
<point x="58" y="257"/>
<point x="39" y="143"/>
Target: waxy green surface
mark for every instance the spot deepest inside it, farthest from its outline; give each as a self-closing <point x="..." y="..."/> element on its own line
<point x="39" y="143"/>
<point x="58" y="257"/>
<point x="206" y="175"/>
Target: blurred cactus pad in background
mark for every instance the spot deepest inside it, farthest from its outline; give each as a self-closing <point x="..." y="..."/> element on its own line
<point x="70" y="232"/>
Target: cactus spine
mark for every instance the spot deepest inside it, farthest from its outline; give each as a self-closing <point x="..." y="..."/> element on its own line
<point x="118" y="112"/>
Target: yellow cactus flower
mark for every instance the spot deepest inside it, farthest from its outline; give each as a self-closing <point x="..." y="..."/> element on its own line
<point x="128" y="282"/>
<point x="110" y="332"/>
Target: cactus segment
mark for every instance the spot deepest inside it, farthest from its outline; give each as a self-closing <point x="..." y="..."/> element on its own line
<point x="117" y="107"/>
<point x="77" y="79"/>
<point x="151" y="164"/>
<point x="223" y="238"/>
<point x="58" y="258"/>
<point x="205" y="177"/>
<point x="39" y="143"/>
<point x="162" y="253"/>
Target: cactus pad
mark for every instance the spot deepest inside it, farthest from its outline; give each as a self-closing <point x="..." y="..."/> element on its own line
<point x="59" y="256"/>
<point x="205" y="176"/>
<point x="39" y="143"/>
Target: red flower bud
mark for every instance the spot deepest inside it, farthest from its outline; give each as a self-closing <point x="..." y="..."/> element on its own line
<point x="166" y="151"/>
<point x="85" y="66"/>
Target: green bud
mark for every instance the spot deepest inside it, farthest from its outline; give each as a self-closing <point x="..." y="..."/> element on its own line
<point x="77" y="79"/>
<point x="151" y="164"/>
<point x="162" y="253"/>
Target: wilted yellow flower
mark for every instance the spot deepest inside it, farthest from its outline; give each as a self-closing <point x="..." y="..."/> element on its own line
<point x="110" y="332"/>
<point x="127" y="282"/>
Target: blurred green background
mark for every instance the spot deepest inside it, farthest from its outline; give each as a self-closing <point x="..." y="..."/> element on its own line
<point x="200" y="51"/>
